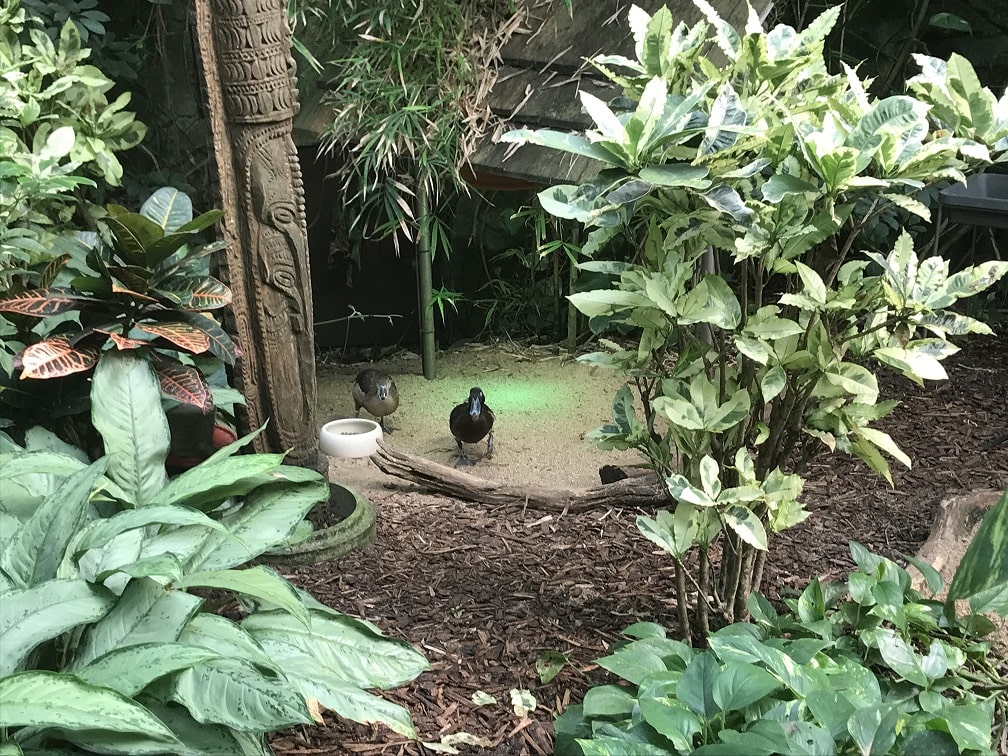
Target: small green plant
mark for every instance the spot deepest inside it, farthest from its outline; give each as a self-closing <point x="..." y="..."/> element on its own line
<point x="110" y="644"/>
<point x="760" y="196"/>
<point x="867" y="666"/>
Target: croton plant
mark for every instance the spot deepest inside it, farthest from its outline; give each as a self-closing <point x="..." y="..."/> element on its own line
<point x="147" y="289"/>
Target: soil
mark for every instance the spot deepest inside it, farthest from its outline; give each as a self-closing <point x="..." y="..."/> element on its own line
<point x="485" y="592"/>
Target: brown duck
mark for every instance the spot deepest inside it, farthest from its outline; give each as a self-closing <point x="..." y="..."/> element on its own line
<point x="471" y="422"/>
<point x="377" y="393"/>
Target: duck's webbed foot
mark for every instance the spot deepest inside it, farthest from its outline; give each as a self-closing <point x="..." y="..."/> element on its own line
<point x="463" y="459"/>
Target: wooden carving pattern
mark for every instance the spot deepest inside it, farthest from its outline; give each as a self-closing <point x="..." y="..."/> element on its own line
<point x="245" y="46"/>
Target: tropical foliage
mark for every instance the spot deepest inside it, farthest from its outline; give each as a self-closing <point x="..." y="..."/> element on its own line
<point x="871" y="665"/>
<point x="148" y="288"/>
<point x="765" y="199"/>
<point x="110" y="641"/>
<point x="58" y="132"/>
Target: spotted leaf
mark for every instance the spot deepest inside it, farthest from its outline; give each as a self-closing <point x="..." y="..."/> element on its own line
<point x="41" y="303"/>
<point x="183" y="335"/>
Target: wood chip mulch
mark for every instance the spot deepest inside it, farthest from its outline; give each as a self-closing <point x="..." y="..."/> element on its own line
<point x="483" y="593"/>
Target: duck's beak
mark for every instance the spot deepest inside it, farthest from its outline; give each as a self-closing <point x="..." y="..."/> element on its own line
<point x="383" y="391"/>
<point x="474" y="407"/>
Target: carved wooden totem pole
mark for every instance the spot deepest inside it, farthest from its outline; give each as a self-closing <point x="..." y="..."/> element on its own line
<point x="245" y="46"/>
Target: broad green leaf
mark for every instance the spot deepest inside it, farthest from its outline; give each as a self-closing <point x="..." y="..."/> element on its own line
<point x="269" y="516"/>
<point x="34" y="615"/>
<point x="831" y="710"/>
<point x="236" y="694"/>
<point x="874" y="728"/>
<point x="548" y="665"/>
<point x="606" y="301"/>
<point x="606" y="122"/>
<point x="772" y="383"/>
<point x="126" y="411"/>
<point x="985" y="563"/>
<point x="225" y="637"/>
<point x="146" y="612"/>
<point x="100" y="532"/>
<point x="670" y="717"/>
<point x="779" y="186"/>
<point x="350" y="702"/>
<point x="713" y="301"/>
<point x="739" y="685"/>
<point x="884" y="442"/>
<point x="51" y="699"/>
<point x="729" y="414"/>
<point x="209" y="483"/>
<point x="901" y="657"/>
<point x="633" y="662"/>
<point x="746" y="525"/>
<point x="993" y="599"/>
<point x="696" y="688"/>
<point x="557" y="140"/>
<point x="35" y="551"/>
<point x="813" y="283"/>
<point x="970" y="725"/>
<point x="608" y="701"/>
<point x="129" y="670"/>
<point x="915" y="365"/>
<point x="169" y="208"/>
<point x="29" y="477"/>
<point x="257" y="582"/>
<point x="349" y="648"/>
<point x="676" y="175"/>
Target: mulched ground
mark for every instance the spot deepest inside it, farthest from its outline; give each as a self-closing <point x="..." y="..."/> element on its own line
<point x="484" y="593"/>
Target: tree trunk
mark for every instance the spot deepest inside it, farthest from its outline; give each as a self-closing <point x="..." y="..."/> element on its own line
<point x="245" y="49"/>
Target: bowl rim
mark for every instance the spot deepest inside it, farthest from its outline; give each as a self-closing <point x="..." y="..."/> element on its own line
<point x="350" y="437"/>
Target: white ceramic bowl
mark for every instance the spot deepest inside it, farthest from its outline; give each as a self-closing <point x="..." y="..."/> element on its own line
<point x="350" y="437"/>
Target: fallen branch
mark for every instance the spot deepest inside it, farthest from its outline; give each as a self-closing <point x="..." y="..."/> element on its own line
<point x="640" y="492"/>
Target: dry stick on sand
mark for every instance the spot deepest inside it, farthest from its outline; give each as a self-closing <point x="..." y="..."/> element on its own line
<point x="640" y="492"/>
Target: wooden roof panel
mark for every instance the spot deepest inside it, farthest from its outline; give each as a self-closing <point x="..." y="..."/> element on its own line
<point x="545" y="67"/>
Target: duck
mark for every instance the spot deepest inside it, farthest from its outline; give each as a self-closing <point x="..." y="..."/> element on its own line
<point x="471" y="422"/>
<point x="377" y="393"/>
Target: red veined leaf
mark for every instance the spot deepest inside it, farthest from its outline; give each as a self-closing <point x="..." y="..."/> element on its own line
<point x="183" y="335"/>
<point x="221" y="345"/>
<point x="185" y="384"/>
<point x="118" y="288"/>
<point x="124" y="343"/>
<point x="40" y="303"/>
<point x="200" y="294"/>
<point x="55" y="357"/>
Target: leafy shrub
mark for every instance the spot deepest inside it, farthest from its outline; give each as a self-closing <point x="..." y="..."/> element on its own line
<point x="109" y="643"/>
<point x="58" y="132"/>
<point x="754" y="191"/>
<point x="145" y="288"/>
<point x="866" y="666"/>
